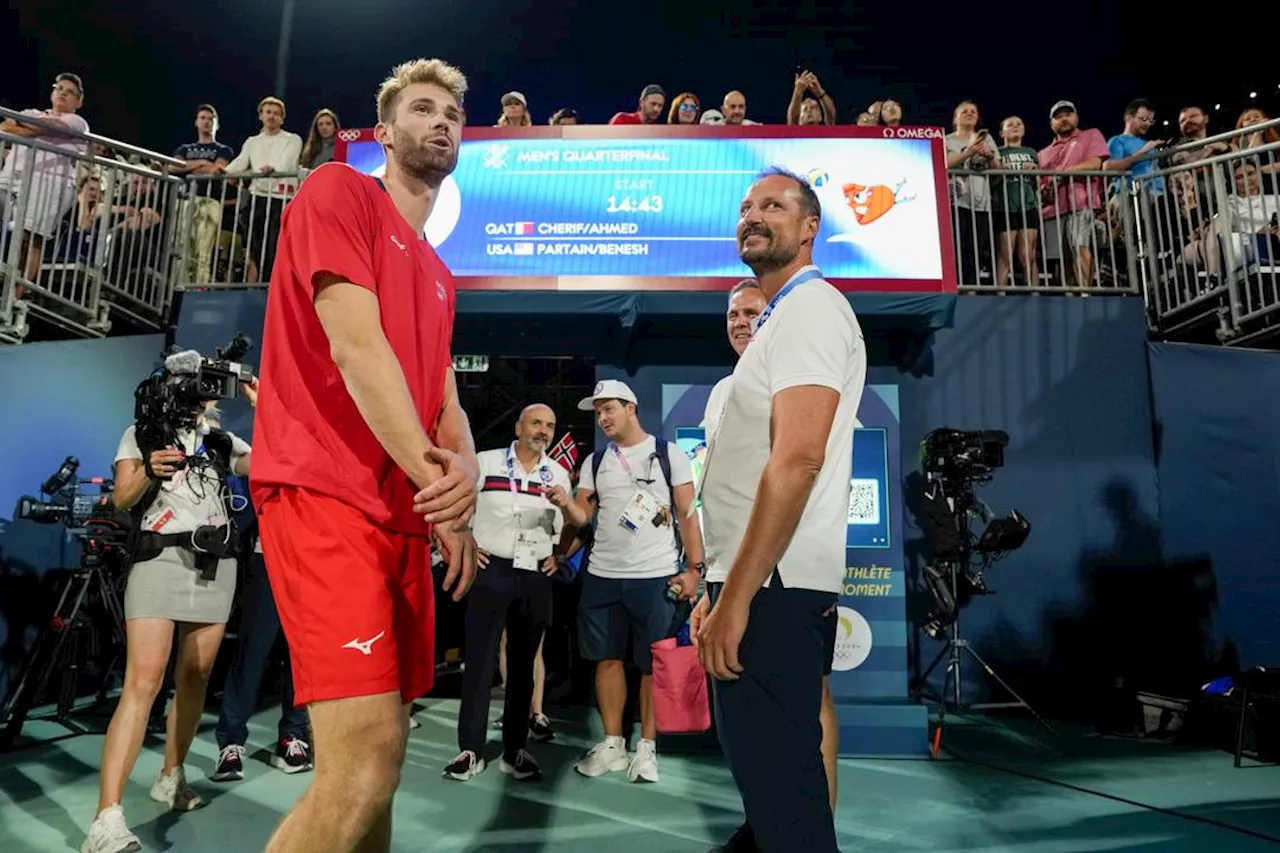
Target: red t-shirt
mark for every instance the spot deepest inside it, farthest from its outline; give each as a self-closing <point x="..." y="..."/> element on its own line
<point x="626" y="118"/>
<point x="307" y="430"/>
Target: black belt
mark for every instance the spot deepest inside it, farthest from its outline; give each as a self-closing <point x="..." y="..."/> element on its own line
<point x="209" y="544"/>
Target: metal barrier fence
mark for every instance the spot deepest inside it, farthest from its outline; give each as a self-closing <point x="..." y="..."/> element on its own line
<point x="84" y="237"/>
<point x="1180" y="234"/>
<point x="1209" y="216"/>
<point x="1040" y="231"/>
<point x="232" y="223"/>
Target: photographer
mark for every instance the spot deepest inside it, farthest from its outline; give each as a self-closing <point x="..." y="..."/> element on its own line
<point x="184" y="574"/>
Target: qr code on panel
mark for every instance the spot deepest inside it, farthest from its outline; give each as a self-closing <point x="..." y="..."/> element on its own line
<point x="864" y="502"/>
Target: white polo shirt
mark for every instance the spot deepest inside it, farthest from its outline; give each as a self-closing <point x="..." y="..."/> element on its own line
<point x="509" y="504"/>
<point x="715" y="405"/>
<point x="649" y="551"/>
<point x="811" y="338"/>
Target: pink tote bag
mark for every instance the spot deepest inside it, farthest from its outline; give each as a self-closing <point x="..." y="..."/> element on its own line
<point x="680" y="700"/>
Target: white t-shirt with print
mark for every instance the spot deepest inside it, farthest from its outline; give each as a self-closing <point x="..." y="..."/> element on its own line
<point x="650" y="551"/>
<point x="189" y="499"/>
<point x="812" y="338"/>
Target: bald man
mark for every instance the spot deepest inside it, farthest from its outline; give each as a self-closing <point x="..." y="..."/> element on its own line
<point x="734" y="109"/>
<point x="516" y="528"/>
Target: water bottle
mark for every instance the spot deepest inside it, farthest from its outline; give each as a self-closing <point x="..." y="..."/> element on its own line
<point x="673" y="591"/>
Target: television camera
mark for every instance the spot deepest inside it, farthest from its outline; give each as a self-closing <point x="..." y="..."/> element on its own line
<point x="955" y="462"/>
<point x="66" y="501"/>
<point x="170" y="399"/>
<point x="90" y="604"/>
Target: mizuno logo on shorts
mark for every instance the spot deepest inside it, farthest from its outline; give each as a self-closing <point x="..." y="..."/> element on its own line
<point x="365" y="647"/>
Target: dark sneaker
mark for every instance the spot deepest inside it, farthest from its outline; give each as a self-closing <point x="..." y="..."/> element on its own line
<point x="230" y="766"/>
<point x="540" y="728"/>
<point x="521" y="767"/>
<point x="466" y="766"/>
<point x="293" y="755"/>
<point x="743" y="840"/>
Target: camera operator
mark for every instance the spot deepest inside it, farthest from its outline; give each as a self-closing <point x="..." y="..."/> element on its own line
<point x="184" y="574"/>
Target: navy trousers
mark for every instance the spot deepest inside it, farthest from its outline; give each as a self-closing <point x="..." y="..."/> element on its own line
<point x="259" y="627"/>
<point x="768" y="720"/>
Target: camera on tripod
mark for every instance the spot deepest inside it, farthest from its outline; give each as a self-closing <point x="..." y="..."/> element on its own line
<point x="955" y="462"/>
<point x="169" y="401"/>
<point x="66" y="501"/>
<point x="89" y="608"/>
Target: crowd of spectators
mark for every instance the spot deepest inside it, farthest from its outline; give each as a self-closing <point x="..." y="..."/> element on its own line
<point x="997" y="217"/>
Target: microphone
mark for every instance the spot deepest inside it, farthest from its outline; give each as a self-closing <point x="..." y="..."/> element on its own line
<point x="185" y="363"/>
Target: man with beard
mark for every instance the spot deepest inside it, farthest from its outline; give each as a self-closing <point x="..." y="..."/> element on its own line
<point x="746" y="304"/>
<point x="516" y="528"/>
<point x="775" y="494"/>
<point x="366" y="456"/>
<point x="639" y="490"/>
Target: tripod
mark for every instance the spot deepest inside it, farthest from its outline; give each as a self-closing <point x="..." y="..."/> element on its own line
<point x="957" y="646"/>
<point x="58" y="647"/>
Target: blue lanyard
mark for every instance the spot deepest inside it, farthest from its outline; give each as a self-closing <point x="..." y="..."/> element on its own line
<point x="800" y="279"/>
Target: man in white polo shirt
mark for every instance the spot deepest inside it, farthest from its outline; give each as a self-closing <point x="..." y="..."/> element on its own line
<point x="634" y="575"/>
<point x="775" y="496"/>
<point x="746" y="304"/>
<point x="516" y="527"/>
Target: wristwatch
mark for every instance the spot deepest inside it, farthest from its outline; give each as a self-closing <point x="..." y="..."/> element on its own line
<point x="700" y="568"/>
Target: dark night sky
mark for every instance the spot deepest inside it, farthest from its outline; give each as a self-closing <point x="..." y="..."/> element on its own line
<point x="146" y="63"/>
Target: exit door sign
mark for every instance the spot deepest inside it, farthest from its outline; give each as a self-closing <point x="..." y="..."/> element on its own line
<point x="471" y="363"/>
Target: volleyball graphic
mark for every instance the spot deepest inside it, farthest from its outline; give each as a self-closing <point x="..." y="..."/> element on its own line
<point x="817" y="178"/>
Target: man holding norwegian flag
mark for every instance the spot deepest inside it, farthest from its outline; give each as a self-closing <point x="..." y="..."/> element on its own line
<point x="517" y="527"/>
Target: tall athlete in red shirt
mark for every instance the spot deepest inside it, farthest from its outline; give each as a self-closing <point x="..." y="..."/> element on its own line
<point x="362" y="454"/>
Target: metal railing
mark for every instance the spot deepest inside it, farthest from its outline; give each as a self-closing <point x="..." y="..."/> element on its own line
<point x="1173" y="234"/>
<point x="1040" y="231"/>
<point x="1210" y="237"/>
<point x="84" y="236"/>
<point x="230" y="227"/>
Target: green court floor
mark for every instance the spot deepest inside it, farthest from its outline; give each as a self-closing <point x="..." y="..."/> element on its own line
<point x="1008" y="787"/>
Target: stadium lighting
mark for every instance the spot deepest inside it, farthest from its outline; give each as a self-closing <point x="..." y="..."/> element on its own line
<point x="1253" y="94"/>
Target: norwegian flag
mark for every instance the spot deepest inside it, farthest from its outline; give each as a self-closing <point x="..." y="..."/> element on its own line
<point x="565" y="452"/>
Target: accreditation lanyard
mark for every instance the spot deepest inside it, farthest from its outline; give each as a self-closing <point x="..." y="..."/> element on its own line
<point x="626" y="466"/>
<point x="545" y="475"/>
<point x="807" y="275"/>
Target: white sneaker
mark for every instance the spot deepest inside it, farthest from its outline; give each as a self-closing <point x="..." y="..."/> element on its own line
<point x="173" y="791"/>
<point x="644" y="765"/>
<point x="608" y="756"/>
<point x="109" y="834"/>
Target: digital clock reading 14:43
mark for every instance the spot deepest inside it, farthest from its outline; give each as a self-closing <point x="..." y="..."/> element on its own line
<point x="627" y="204"/>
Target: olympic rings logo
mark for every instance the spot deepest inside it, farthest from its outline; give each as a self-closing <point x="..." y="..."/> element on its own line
<point x="348" y="135"/>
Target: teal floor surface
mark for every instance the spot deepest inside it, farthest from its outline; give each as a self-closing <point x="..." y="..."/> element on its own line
<point x="1007" y="787"/>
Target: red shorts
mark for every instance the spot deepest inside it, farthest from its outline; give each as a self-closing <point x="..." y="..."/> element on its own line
<point x="357" y="602"/>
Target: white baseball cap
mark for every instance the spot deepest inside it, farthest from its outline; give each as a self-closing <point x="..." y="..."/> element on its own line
<point x="608" y="389"/>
